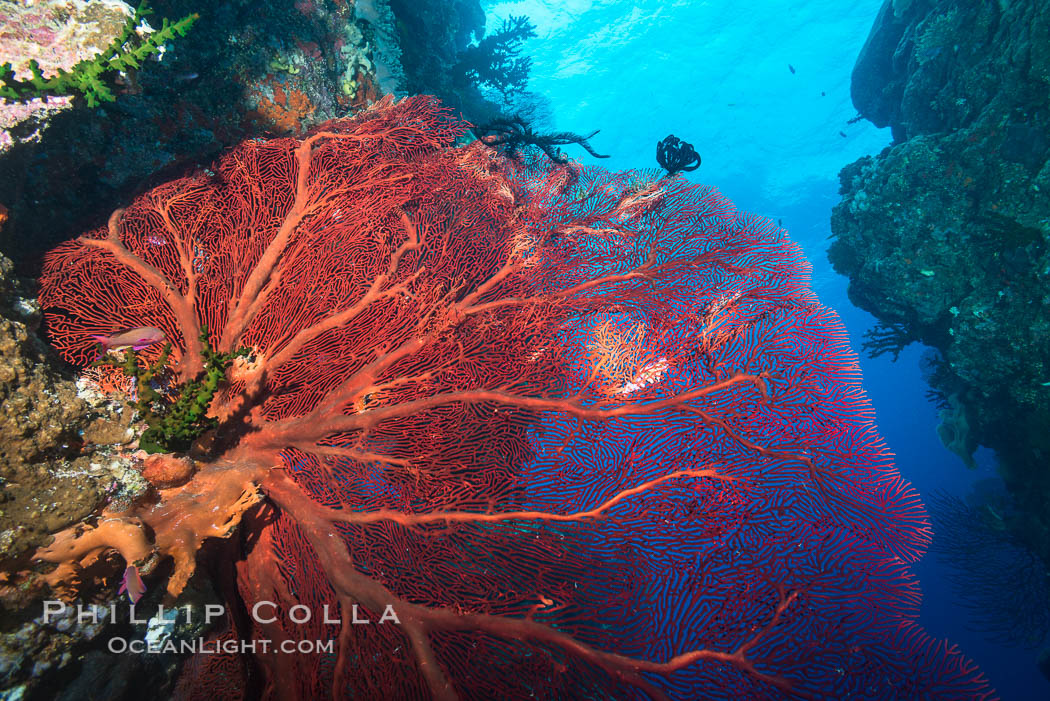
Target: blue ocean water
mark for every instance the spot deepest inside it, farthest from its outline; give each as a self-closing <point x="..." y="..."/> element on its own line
<point x="718" y="74"/>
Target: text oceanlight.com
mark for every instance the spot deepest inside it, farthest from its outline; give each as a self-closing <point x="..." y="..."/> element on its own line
<point x="221" y="647"/>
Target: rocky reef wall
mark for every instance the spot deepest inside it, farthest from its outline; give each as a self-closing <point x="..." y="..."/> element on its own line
<point x="245" y="69"/>
<point x="944" y="235"/>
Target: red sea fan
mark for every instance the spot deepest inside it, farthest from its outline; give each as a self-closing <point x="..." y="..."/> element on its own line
<point x="587" y="435"/>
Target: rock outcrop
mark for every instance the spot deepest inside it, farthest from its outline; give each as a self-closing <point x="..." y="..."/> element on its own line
<point x="944" y="234"/>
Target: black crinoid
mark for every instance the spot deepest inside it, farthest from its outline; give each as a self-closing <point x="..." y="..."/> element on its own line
<point x="510" y="135"/>
<point x="675" y="155"/>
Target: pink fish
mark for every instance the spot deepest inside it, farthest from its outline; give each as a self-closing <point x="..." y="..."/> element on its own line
<point x="132" y="584"/>
<point x="135" y="338"/>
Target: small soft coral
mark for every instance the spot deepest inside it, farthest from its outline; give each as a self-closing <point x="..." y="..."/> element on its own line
<point x="177" y="522"/>
<point x="125" y="52"/>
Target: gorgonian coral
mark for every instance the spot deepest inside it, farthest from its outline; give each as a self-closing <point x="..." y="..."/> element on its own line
<point x="436" y="419"/>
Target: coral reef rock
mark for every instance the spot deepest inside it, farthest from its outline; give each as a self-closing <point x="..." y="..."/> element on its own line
<point x="45" y="486"/>
<point x="239" y="73"/>
<point x="62" y="458"/>
<point x="57" y="34"/>
<point x="944" y="234"/>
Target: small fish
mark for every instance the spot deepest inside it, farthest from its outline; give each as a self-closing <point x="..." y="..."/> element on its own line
<point x="187" y="77"/>
<point x="842" y="134"/>
<point x="791" y="68"/>
<point x="156" y="240"/>
<point x="132" y="583"/>
<point x="823" y="94"/>
<point x="137" y="339"/>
